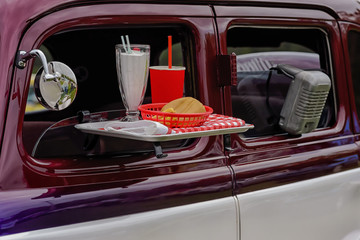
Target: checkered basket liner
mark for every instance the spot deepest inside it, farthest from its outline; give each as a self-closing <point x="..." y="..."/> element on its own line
<point x="214" y="121"/>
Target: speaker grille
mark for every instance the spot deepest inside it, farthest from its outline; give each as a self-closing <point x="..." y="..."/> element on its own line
<point x="310" y="104"/>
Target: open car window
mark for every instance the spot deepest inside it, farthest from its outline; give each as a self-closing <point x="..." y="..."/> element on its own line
<point x="259" y="95"/>
<point x="90" y="53"/>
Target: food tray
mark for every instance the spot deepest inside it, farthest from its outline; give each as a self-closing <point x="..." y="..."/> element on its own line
<point x="216" y="125"/>
<point x="173" y="120"/>
<point x="98" y="129"/>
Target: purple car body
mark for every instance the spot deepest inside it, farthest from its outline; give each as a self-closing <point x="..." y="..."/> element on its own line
<point x="231" y="186"/>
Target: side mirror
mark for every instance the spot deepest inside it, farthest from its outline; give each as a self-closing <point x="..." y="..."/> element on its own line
<point x="55" y="83"/>
<point x="305" y="100"/>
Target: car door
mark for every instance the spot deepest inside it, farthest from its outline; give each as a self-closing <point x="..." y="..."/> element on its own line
<point x="60" y="183"/>
<point x="289" y="187"/>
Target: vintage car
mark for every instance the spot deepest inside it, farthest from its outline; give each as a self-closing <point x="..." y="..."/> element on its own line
<point x="58" y="182"/>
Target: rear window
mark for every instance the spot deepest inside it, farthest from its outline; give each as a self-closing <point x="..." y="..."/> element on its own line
<point x="258" y="99"/>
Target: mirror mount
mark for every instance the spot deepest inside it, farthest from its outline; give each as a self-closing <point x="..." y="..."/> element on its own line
<point x="23" y="57"/>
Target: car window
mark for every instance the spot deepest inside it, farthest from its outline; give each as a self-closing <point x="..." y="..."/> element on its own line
<point x="258" y="99"/>
<point x="354" y="48"/>
<point x="90" y="53"/>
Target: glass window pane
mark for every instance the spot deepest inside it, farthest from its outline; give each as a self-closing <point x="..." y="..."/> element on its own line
<point x="258" y="98"/>
<point x="354" y="49"/>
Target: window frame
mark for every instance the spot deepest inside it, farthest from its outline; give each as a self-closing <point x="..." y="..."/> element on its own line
<point x="334" y="45"/>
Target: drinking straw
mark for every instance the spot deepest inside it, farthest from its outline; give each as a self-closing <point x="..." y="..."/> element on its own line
<point x="123" y="43"/>
<point x="128" y="43"/>
<point x="170" y="51"/>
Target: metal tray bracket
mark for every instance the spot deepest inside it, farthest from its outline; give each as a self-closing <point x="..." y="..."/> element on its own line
<point x="158" y="150"/>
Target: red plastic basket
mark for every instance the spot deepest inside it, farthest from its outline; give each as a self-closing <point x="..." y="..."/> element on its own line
<point x="174" y="120"/>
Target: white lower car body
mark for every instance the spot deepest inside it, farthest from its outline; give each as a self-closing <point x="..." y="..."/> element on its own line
<point x="323" y="208"/>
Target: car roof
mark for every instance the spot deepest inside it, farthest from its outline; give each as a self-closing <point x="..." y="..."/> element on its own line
<point x="21" y="11"/>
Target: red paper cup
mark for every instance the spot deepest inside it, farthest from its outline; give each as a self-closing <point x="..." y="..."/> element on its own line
<point x="166" y="83"/>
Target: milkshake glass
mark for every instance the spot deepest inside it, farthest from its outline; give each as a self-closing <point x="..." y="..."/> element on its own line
<point x="132" y="66"/>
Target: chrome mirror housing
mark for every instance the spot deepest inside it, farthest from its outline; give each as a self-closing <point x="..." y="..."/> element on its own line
<point x="55" y="83"/>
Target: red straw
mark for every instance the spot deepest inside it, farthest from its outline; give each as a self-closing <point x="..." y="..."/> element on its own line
<point x="170" y="51"/>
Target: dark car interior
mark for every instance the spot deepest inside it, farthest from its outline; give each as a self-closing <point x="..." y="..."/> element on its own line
<point x="257" y="98"/>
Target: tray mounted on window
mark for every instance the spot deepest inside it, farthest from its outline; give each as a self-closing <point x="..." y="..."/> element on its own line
<point x="215" y="125"/>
